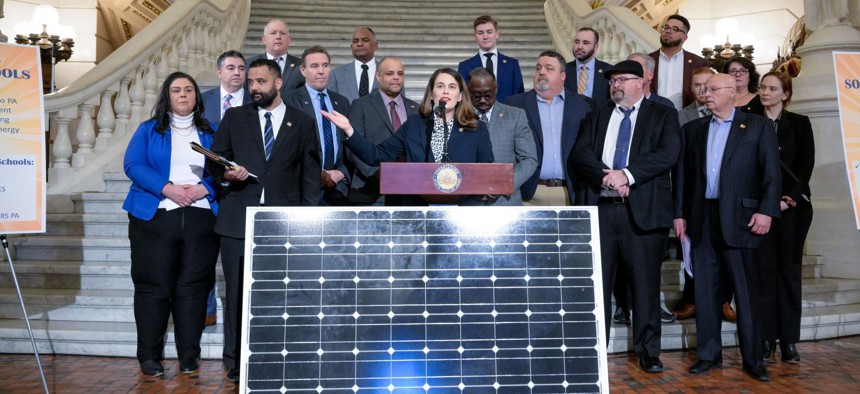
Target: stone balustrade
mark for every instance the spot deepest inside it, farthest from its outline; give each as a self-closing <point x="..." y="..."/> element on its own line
<point x="92" y="120"/>
<point x="621" y="31"/>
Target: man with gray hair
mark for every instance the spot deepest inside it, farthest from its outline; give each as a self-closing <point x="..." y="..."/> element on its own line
<point x="276" y="38"/>
<point x="648" y="65"/>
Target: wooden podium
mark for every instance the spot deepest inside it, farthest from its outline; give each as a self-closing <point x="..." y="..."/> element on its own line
<point x="446" y="183"/>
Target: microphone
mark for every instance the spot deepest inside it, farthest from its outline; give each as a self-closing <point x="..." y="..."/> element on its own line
<point x="441" y="106"/>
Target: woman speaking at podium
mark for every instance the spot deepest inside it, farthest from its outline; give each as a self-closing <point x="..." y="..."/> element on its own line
<point x="446" y="129"/>
<point x="171" y="212"/>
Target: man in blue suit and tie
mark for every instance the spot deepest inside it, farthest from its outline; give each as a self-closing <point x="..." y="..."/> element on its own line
<point x="231" y="93"/>
<point x="592" y="84"/>
<point x="506" y="69"/>
<point x="554" y="115"/>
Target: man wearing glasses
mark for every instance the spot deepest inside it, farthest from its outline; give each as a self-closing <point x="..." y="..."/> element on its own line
<point x="674" y="71"/>
<point x="622" y="160"/>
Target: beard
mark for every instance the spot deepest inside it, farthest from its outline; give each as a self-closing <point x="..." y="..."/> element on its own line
<point x="669" y="43"/>
<point x="264" y="99"/>
<point x="585" y="56"/>
<point x="542" y="85"/>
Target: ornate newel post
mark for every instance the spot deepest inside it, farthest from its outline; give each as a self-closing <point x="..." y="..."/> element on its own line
<point x="833" y="26"/>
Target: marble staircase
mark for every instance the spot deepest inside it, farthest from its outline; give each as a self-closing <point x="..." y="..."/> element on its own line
<point x="426" y="34"/>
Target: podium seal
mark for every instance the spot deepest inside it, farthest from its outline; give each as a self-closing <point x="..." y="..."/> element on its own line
<point x="447" y="178"/>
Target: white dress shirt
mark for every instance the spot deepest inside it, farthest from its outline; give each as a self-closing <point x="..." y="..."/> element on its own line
<point x="670" y="78"/>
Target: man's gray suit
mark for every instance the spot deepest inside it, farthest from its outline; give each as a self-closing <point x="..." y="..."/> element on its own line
<point x="689" y="114"/>
<point x="343" y="81"/>
<point x="370" y="118"/>
<point x="291" y="75"/>
<point x="513" y="142"/>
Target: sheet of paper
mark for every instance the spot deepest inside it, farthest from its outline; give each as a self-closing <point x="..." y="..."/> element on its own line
<point x="685" y="251"/>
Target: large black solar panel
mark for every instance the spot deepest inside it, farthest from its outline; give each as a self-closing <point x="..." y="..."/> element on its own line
<point x="423" y="300"/>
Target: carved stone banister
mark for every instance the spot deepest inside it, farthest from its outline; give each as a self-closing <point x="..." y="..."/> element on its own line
<point x="621" y="31"/>
<point x="93" y="119"/>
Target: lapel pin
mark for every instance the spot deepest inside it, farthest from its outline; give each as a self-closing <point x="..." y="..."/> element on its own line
<point x="689" y="60"/>
<point x="289" y="124"/>
<point x="743" y="126"/>
<point x="504" y="60"/>
<point x="292" y="64"/>
<point x="600" y="71"/>
<point x="501" y="114"/>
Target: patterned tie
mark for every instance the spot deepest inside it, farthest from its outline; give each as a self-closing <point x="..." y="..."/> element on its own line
<point x="395" y="118"/>
<point x="483" y="118"/>
<point x="623" y="143"/>
<point x="227" y="105"/>
<point x="703" y="112"/>
<point x="280" y="61"/>
<point x="582" y="84"/>
<point x="364" y="84"/>
<point x="490" y="67"/>
<point x="268" y="136"/>
<point x="327" y="140"/>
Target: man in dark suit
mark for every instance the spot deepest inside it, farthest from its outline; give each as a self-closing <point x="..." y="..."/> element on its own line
<point x="506" y="69"/>
<point x="554" y="115"/>
<point x="727" y="190"/>
<point x="312" y="98"/>
<point x="592" y="84"/>
<point x="355" y="79"/>
<point x="675" y="66"/>
<point x="376" y="117"/>
<point x="513" y="141"/>
<point x="276" y="37"/>
<point x="231" y="74"/>
<point x="648" y="65"/>
<point x="279" y="146"/>
<point x="622" y="161"/>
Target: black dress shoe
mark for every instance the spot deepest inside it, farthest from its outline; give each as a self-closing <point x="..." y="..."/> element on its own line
<point x="651" y="364"/>
<point x="665" y="316"/>
<point x="189" y="366"/>
<point x="768" y="348"/>
<point x="622" y="316"/>
<point x="233" y="375"/>
<point x="789" y="353"/>
<point x="703" y="366"/>
<point x="151" y="368"/>
<point x="757" y="373"/>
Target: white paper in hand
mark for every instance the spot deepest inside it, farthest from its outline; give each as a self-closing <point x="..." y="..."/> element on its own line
<point x="685" y="251"/>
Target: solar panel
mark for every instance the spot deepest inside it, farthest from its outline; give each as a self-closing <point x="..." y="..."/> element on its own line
<point x="423" y="300"/>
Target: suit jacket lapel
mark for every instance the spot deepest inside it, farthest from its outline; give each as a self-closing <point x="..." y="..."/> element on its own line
<point x="736" y="134"/>
<point x="351" y="83"/>
<point x="642" y="121"/>
<point x="428" y="131"/>
<point x="602" y="126"/>
<point x="532" y="108"/>
<point x="379" y="106"/>
<point x="253" y="119"/>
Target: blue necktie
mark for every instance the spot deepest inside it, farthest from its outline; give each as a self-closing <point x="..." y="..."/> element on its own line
<point x="327" y="140"/>
<point x="269" y="135"/>
<point x="623" y="143"/>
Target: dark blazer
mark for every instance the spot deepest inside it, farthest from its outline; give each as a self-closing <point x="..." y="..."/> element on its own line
<point x="654" y="149"/>
<point x="575" y="108"/>
<point x="212" y="104"/>
<point x="797" y="152"/>
<point x="750" y="180"/>
<point x="412" y="140"/>
<point x="755" y="106"/>
<point x="691" y="62"/>
<point x="291" y="176"/>
<point x="343" y="81"/>
<point x="369" y="117"/>
<point x="600" y="90"/>
<point x="292" y="75"/>
<point x="300" y="99"/>
<point x="509" y="80"/>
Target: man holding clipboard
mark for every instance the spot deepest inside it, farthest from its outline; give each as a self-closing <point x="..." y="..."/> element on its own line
<point x="281" y="148"/>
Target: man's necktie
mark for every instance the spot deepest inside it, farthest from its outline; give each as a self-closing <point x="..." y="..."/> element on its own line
<point x="327" y="139"/>
<point x="582" y="83"/>
<point x="280" y="61"/>
<point x="483" y="118"/>
<point x="395" y="119"/>
<point x="703" y="112"/>
<point x="364" y="83"/>
<point x="269" y="136"/>
<point x="227" y="99"/>
<point x="622" y="145"/>
<point x="490" y="67"/>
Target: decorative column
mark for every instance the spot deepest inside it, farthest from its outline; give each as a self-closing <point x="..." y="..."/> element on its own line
<point x="834" y="234"/>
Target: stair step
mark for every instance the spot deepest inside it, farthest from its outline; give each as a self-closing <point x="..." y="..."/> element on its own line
<point x="99" y="202"/>
<point x="116" y="182"/>
<point x="72" y="248"/>
<point x="88" y="224"/>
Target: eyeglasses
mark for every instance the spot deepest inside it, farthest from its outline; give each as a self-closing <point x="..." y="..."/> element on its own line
<point x="482" y="96"/>
<point x="620" y="80"/>
<point x="673" y="29"/>
<point x="738" y="71"/>
<point x="707" y="90"/>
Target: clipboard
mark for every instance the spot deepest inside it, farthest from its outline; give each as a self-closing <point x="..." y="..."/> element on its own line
<point x="218" y="158"/>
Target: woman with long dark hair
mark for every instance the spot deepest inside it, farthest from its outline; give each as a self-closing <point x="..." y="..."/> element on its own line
<point x="171" y="211"/>
<point x="781" y="253"/>
<point x="746" y="84"/>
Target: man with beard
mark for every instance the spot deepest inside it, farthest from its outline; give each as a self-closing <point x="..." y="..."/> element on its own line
<point x="674" y="71"/>
<point x="312" y="98"/>
<point x="276" y="38"/>
<point x="554" y="115"/>
<point x="510" y="134"/>
<point x="591" y="83"/>
<point x="277" y="145"/>
<point x="622" y="160"/>
<point x="377" y="116"/>
<point x="506" y="69"/>
<point x="354" y="79"/>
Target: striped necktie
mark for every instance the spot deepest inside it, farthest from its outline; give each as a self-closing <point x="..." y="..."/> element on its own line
<point x="582" y="84"/>
<point x="269" y="135"/>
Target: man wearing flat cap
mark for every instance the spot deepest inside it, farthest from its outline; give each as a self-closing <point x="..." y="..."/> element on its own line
<point x="622" y="160"/>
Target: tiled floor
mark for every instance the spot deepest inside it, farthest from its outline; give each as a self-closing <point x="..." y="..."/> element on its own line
<point x="827" y="367"/>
